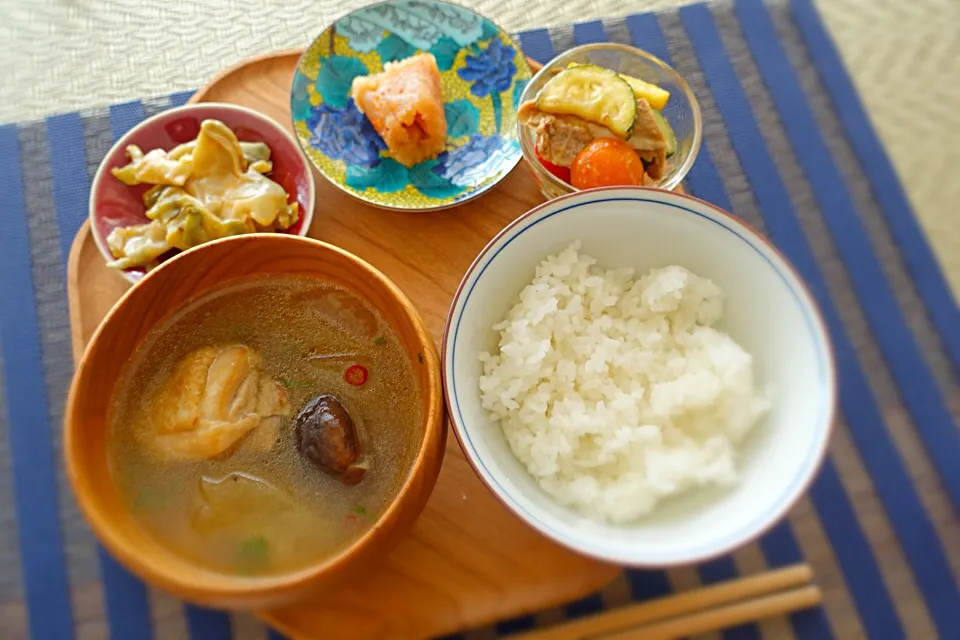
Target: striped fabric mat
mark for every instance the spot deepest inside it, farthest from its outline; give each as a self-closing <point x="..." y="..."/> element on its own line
<point x="788" y="148"/>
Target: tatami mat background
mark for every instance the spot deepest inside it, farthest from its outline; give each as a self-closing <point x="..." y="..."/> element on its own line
<point x="62" y="55"/>
<point x="880" y="525"/>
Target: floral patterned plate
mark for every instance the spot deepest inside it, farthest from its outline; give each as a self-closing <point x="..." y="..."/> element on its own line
<point x="483" y="73"/>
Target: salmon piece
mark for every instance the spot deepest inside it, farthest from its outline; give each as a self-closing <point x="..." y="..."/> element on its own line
<point x="405" y="105"/>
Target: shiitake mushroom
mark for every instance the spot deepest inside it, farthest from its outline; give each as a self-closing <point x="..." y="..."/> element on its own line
<point x="327" y="436"/>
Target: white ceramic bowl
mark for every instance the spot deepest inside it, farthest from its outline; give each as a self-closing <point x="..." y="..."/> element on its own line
<point x="768" y="310"/>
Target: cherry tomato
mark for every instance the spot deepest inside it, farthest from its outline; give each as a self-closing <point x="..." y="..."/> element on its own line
<point x="560" y="172"/>
<point x="606" y="162"/>
<point x="356" y="375"/>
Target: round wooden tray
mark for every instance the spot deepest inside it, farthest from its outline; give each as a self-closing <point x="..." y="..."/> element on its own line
<point x="468" y="561"/>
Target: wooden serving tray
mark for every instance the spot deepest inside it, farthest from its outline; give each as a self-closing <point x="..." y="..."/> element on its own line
<point x="468" y="561"/>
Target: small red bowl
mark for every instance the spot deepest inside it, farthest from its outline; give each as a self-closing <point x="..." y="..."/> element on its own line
<point x="114" y="204"/>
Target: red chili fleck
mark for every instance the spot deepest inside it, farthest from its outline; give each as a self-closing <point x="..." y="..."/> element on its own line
<point x="356" y="375"/>
<point x="352" y="519"/>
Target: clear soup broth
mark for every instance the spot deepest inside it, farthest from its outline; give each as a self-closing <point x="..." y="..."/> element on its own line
<point x="210" y="444"/>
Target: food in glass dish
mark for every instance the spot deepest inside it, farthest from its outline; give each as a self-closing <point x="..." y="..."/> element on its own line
<point x="606" y="161"/>
<point x="208" y="188"/>
<point x="584" y="104"/>
<point x="242" y="437"/>
<point x="404" y="103"/>
<point x="617" y="390"/>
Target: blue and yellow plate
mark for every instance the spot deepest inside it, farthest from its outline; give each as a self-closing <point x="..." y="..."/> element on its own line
<point x="483" y="73"/>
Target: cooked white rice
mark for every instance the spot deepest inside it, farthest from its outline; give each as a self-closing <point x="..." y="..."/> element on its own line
<point x="616" y="391"/>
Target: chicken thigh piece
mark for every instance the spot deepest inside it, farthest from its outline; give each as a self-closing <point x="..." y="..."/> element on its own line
<point x="214" y="397"/>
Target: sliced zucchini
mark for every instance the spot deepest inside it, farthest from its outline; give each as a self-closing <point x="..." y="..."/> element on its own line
<point x="594" y="94"/>
<point x="667" y="131"/>
<point x="655" y="95"/>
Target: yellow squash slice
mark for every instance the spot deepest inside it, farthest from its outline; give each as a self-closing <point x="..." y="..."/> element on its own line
<point x="656" y="96"/>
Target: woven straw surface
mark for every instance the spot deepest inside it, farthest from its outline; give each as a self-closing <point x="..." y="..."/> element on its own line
<point x="65" y="55"/>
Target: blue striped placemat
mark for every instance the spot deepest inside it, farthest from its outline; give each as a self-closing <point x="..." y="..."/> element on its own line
<point x="788" y="147"/>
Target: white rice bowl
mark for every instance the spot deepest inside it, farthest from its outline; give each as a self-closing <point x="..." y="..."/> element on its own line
<point x="617" y="391"/>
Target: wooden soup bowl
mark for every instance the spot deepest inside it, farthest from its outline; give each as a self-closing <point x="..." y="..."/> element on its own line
<point x="151" y="301"/>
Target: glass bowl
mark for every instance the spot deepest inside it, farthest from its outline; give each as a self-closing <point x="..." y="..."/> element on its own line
<point x="682" y="110"/>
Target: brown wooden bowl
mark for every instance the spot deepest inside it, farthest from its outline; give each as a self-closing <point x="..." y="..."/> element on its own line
<point x="155" y="298"/>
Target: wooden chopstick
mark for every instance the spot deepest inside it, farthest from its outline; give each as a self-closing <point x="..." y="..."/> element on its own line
<point x="725" y="616"/>
<point x="691" y="602"/>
